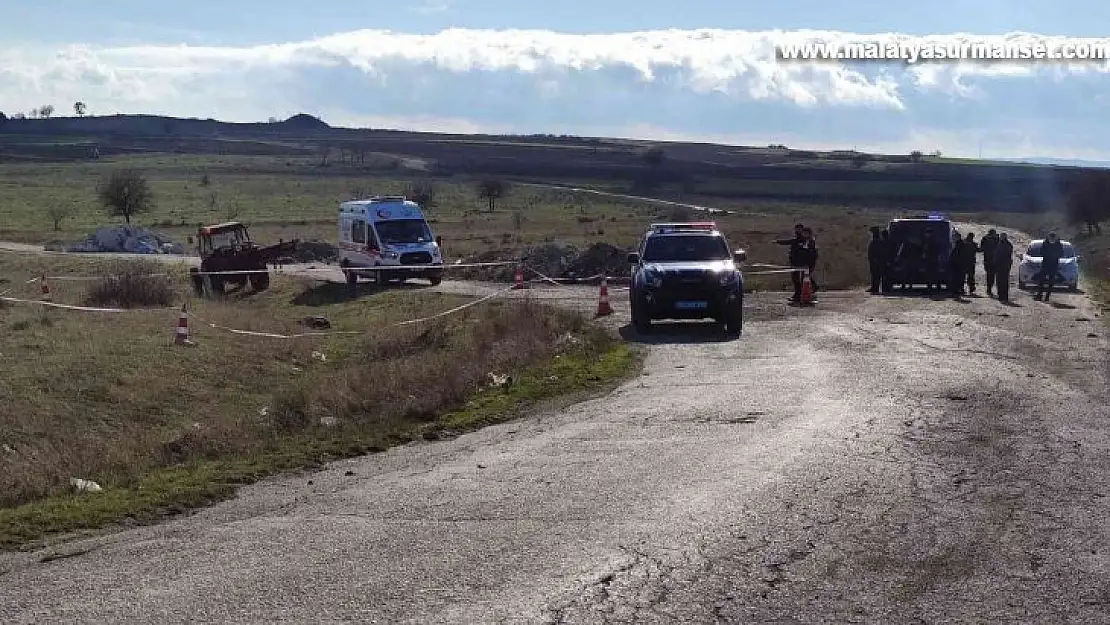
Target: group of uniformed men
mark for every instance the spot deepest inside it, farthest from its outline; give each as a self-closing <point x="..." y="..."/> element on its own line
<point x="998" y="258"/>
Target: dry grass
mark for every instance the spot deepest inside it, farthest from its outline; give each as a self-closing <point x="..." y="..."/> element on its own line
<point x="109" y="397"/>
<point x="412" y="373"/>
<point x="132" y="284"/>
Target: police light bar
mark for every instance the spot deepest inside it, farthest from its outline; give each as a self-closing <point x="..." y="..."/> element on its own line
<point x="704" y="226"/>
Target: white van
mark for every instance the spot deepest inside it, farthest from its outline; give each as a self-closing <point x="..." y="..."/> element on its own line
<point x="388" y="239"/>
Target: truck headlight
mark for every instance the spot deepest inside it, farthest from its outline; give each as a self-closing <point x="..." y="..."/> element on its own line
<point x="652" y="279"/>
<point x="729" y="278"/>
<point x="390" y="255"/>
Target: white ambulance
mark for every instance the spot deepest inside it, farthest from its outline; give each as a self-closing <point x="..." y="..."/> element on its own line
<point x="387" y="238"/>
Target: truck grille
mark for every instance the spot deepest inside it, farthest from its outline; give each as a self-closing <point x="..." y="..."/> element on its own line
<point x="416" y="258"/>
<point x="685" y="279"/>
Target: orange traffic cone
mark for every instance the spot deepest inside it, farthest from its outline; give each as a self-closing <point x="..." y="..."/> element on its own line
<point x="45" y="288"/>
<point x="807" y="291"/>
<point x="603" y="307"/>
<point x="181" y="334"/>
<point x="518" y="279"/>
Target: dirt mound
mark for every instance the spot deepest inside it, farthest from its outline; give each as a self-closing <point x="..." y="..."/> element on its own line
<point x="554" y="260"/>
<point x="315" y="252"/>
<point x="599" y="258"/>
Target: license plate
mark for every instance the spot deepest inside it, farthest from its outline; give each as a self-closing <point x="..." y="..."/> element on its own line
<point x="691" y="305"/>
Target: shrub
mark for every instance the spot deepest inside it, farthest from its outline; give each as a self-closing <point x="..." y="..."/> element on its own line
<point x="132" y="284"/>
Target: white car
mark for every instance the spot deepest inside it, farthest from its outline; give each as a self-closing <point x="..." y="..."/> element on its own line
<point x="1030" y="266"/>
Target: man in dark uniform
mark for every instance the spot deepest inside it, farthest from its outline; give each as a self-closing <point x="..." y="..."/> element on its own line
<point x="875" y="257"/>
<point x="1002" y="261"/>
<point x="971" y="249"/>
<point x="988" y="246"/>
<point x="1051" y="251"/>
<point x="957" y="266"/>
<point x="810" y="248"/>
<point x="797" y="257"/>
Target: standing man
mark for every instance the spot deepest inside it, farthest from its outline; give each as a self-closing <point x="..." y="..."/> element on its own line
<point x="875" y="257"/>
<point x="971" y="250"/>
<point x="988" y="245"/>
<point x="797" y="257"/>
<point x="957" y="266"/>
<point x="810" y="248"/>
<point x="1051" y="251"/>
<point x="1002" y="260"/>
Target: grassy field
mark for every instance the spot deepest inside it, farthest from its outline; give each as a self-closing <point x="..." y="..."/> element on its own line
<point x="285" y="198"/>
<point x="108" y="397"/>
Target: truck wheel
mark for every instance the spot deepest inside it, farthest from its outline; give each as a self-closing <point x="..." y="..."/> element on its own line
<point x="640" y="320"/>
<point x="198" y="282"/>
<point x="734" y="319"/>
<point x="260" y="281"/>
<point x="217" y="284"/>
<point x="435" y="280"/>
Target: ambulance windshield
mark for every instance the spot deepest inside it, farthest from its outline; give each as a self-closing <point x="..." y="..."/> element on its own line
<point x="403" y="231"/>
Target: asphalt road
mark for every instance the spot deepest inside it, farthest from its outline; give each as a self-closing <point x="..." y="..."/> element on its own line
<point x="874" y="459"/>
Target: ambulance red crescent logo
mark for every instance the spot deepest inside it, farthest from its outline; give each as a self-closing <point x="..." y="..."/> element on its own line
<point x="384" y="214"/>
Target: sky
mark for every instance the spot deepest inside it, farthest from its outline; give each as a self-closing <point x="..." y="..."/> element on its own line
<point x="697" y="70"/>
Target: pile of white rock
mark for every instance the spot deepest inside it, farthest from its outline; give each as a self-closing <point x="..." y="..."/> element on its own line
<point x="127" y="240"/>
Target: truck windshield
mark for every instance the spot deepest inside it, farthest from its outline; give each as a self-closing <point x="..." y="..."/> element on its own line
<point x="403" y="231"/>
<point x="227" y="238"/>
<point x="685" y="248"/>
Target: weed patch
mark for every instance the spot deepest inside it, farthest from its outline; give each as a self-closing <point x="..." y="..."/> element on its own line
<point x="132" y="284"/>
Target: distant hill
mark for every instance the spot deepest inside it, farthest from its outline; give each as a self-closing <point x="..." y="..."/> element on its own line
<point x="304" y="143"/>
<point x="1062" y="162"/>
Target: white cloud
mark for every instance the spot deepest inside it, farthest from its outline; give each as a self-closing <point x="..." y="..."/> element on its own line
<point x="705" y="83"/>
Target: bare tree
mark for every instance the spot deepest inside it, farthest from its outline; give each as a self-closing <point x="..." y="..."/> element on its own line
<point x="492" y="190"/>
<point x="125" y="192"/>
<point x="1087" y="202"/>
<point x="325" y="151"/>
<point x="59" y="212"/>
<point x="423" y="192"/>
<point x="916" y="156"/>
<point x="46" y="111"/>
<point x="80" y="108"/>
